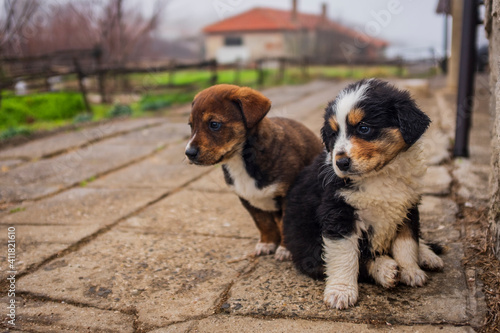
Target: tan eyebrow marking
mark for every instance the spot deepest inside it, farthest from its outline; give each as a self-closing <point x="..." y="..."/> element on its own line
<point x="334" y="124"/>
<point x="355" y="117"/>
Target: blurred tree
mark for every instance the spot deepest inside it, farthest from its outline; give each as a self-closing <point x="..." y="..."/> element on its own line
<point x="126" y="33"/>
<point x="119" y="27"/>
<point x="14" y="18"/>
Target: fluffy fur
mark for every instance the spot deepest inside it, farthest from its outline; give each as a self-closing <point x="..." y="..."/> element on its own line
<point x="356" y="206"/>
<point x="260" y="156"/>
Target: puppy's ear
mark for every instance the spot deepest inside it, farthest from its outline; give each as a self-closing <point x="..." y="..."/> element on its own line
<point x="253" y="105"/>
<point x="413" y="122"/>
<point x="327" y="132"/>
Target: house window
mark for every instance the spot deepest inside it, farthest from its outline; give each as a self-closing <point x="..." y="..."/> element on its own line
<point x="233" y="41"/>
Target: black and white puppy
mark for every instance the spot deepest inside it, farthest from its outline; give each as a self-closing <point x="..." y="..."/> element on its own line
<point x="354" y="211"/>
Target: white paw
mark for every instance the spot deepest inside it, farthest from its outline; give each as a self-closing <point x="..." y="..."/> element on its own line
<point x="414" y="277"/>
<point x="264" y="248"/>
<point x="340" y="296"/>
<point x="428" y="260"/>
<point x="385" y="271"/>
<point x="282" y="254"/>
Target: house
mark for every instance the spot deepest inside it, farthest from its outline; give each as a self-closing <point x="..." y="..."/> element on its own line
<point x="267" y="32"/>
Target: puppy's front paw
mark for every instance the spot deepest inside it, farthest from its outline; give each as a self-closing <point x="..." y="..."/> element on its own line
<point x="282" y="254"/>
<point x="385" y="271"/>
<point x="414" y="277"/>
<point x="340" y="296"/>
<point x="264" y="249"/>
<point x="428" y="260"/>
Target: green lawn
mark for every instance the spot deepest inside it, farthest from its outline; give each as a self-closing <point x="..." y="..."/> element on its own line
<point x="196" y="77"/>
<point x="20" y="115"/>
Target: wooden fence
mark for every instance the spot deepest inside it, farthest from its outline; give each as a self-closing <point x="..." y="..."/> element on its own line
<point x="87" y="63"/>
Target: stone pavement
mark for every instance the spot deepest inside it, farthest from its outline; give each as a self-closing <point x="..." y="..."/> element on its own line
<point x="115" y="232"/>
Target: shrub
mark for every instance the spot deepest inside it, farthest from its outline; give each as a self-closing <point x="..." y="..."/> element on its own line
<point x="14" y="131"/>
<point x="83" y="118"/>
<point x="18" y="110"/>
<point x="156" y="102"/>
<point x="120" y="110"/>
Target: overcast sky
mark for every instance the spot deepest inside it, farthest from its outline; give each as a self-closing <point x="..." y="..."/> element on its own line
<point x="412" y="27"/>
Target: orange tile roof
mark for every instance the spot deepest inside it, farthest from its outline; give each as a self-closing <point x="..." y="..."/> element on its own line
<point x="269" y="19"/>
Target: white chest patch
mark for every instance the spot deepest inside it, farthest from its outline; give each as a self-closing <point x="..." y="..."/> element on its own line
<point x="245" y="186"/>
<point x="382" y="199"/>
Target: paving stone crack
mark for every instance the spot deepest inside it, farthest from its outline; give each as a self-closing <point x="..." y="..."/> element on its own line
<point x="44" y="298"/>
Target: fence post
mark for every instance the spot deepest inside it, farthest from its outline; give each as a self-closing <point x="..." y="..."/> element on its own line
<point x="304" y="67"/>
<point x="83" y="90"/>
<point x="101" y="73"/>
<point x="171" y="73"/>
<point x="260" y="72"/>
<point x="281" y="71"/>
<point x="237" y="73"/>
<point x="400" y="63"/>
<point x="2" y="80"/>
<point x="213" y="66"/>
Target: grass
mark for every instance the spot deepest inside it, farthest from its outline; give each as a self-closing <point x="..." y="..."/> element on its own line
<point x="357" y="73"/>
<point x="153" y="102"/>
<point x="18" y="209"/>
<point x="22" y="115"/>
<point x="18" y="110"/>
<point x="85" y="182"/>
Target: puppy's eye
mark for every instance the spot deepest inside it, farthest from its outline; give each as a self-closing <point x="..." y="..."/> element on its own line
<point x="215" y="126"/>
<point x="363" y="129"/>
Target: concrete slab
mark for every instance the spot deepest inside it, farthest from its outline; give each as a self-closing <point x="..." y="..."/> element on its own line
<point x="37" y="316"/>
<point x="301" y="108"/>
<point x="35" y="243"/>
<point x="315" y="121"/>
<point x="82" y="206"/>
<point x="6" y="165"/>
<point x="61" y="142"/>
<point x="212" y="182"/>
<point x="44" y="177"/>
<point x="437" y="219"/>
<point x="168" y="169"/>
<point x="164" y="277"/>
<point x="288" y="94"/>
<point x="159" y="135"/>
<point x="276" y="289"/>
<point x="437" y="181"/>
<point x="192" y="212"/>
<point x="224" y="323"/>
<point x="41" y="178"/>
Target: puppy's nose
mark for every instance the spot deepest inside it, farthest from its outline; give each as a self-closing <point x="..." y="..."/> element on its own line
<point x="192" y="153"/>
<point x="344" y="163"/>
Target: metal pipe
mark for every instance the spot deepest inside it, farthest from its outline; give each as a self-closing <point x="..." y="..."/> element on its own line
<point x="465" y="93"/>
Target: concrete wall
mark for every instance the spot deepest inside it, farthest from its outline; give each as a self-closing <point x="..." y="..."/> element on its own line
<point x="492" y="25"/>
<point x="256" y="44"/>
<point x="324" y="46"/>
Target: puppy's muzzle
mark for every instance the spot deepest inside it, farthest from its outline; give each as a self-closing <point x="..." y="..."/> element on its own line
<point x="192" y="153"/>
<point x="343" y="163"/>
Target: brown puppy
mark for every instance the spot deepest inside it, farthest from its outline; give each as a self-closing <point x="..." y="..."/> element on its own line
<point x="260" y="156"/>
